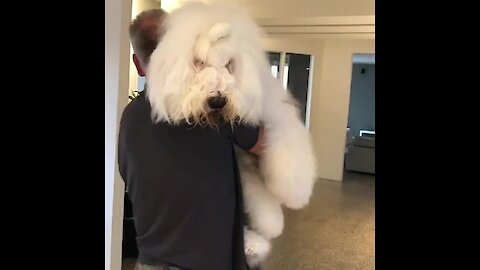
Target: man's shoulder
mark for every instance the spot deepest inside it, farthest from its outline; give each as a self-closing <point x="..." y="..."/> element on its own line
<point x="136" y="108"/>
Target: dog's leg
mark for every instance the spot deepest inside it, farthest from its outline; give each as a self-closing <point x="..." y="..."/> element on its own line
<point x="256" y="247"/>
<point x="263" y="208"/>
<point x="288" y="166"/>
<point x="288" y="163"/>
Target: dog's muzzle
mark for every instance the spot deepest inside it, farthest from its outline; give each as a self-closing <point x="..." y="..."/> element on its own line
<point x="217" y="102"/>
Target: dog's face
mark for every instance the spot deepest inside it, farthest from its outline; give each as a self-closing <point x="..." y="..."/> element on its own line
<point x="207" y="74"/>
<point x="211" y="94"/>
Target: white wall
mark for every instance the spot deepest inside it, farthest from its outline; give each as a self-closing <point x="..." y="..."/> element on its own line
<point x="309" y="8"/>
<point x="294" y="8"/>
<point x="330" y="102"/>
<point x="117" y="15"/>
<point x="299" y="45"/>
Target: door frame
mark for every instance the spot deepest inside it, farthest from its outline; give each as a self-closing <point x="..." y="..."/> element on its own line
<point x="117" y="18"/>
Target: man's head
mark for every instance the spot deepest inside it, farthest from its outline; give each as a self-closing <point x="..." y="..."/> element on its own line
<point x="145" y="37"/>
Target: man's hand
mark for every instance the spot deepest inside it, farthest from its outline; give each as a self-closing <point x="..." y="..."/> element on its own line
<point x="260" y="145"/>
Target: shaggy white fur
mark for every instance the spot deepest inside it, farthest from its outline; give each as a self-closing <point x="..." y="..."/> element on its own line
<point x="215" y="50"/>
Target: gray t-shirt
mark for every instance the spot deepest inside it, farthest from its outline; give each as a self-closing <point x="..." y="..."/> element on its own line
<point x="184" y="187"/>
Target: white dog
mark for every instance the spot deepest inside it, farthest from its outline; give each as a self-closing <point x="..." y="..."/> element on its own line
<point x="210" y="65"/>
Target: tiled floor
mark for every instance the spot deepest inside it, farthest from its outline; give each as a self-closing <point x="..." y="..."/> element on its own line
<point x="335" y="232"/>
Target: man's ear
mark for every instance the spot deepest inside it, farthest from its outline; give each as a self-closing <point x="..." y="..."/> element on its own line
<point x="140" y="69"/>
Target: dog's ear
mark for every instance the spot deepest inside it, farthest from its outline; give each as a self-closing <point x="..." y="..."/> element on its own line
<point x="169" y="71"/>
<point x="202" y="47"/>
<point x="216" y="33"/>
<point x="219" y="31"/>
<point x="230" y="66"/>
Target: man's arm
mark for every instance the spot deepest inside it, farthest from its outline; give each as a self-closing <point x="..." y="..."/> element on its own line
<point x="249" y="138"/>
<point x="258" y="148"/>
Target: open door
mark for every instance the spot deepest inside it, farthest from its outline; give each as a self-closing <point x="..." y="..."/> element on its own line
<point x="295" y="71"/>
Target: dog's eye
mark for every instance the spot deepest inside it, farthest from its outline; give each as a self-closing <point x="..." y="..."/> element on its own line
<point x="229" y="66"/>
<point x="197" y="63"/>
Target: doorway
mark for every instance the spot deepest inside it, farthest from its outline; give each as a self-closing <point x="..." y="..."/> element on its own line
<point x="360" y="143"/>
<point x="295" y="72"/>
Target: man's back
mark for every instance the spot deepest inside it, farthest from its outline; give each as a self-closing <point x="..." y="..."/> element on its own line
<point x="184" y="188"/>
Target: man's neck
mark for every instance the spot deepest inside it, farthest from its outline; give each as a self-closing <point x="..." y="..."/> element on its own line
<point x="144" y="89"/>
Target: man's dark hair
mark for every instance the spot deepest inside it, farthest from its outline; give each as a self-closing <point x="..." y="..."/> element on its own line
<point x="144" y="33"/>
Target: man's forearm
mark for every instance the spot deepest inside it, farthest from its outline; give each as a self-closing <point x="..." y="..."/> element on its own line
<point x="260" y="145"/>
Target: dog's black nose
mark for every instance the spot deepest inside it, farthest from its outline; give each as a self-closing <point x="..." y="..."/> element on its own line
<point x="217" y="102"/>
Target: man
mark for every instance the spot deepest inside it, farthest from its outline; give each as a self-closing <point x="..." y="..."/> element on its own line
<point x="182" y="180"/>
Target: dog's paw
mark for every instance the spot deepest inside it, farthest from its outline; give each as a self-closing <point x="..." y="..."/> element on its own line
<point x="256" y="248"/>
